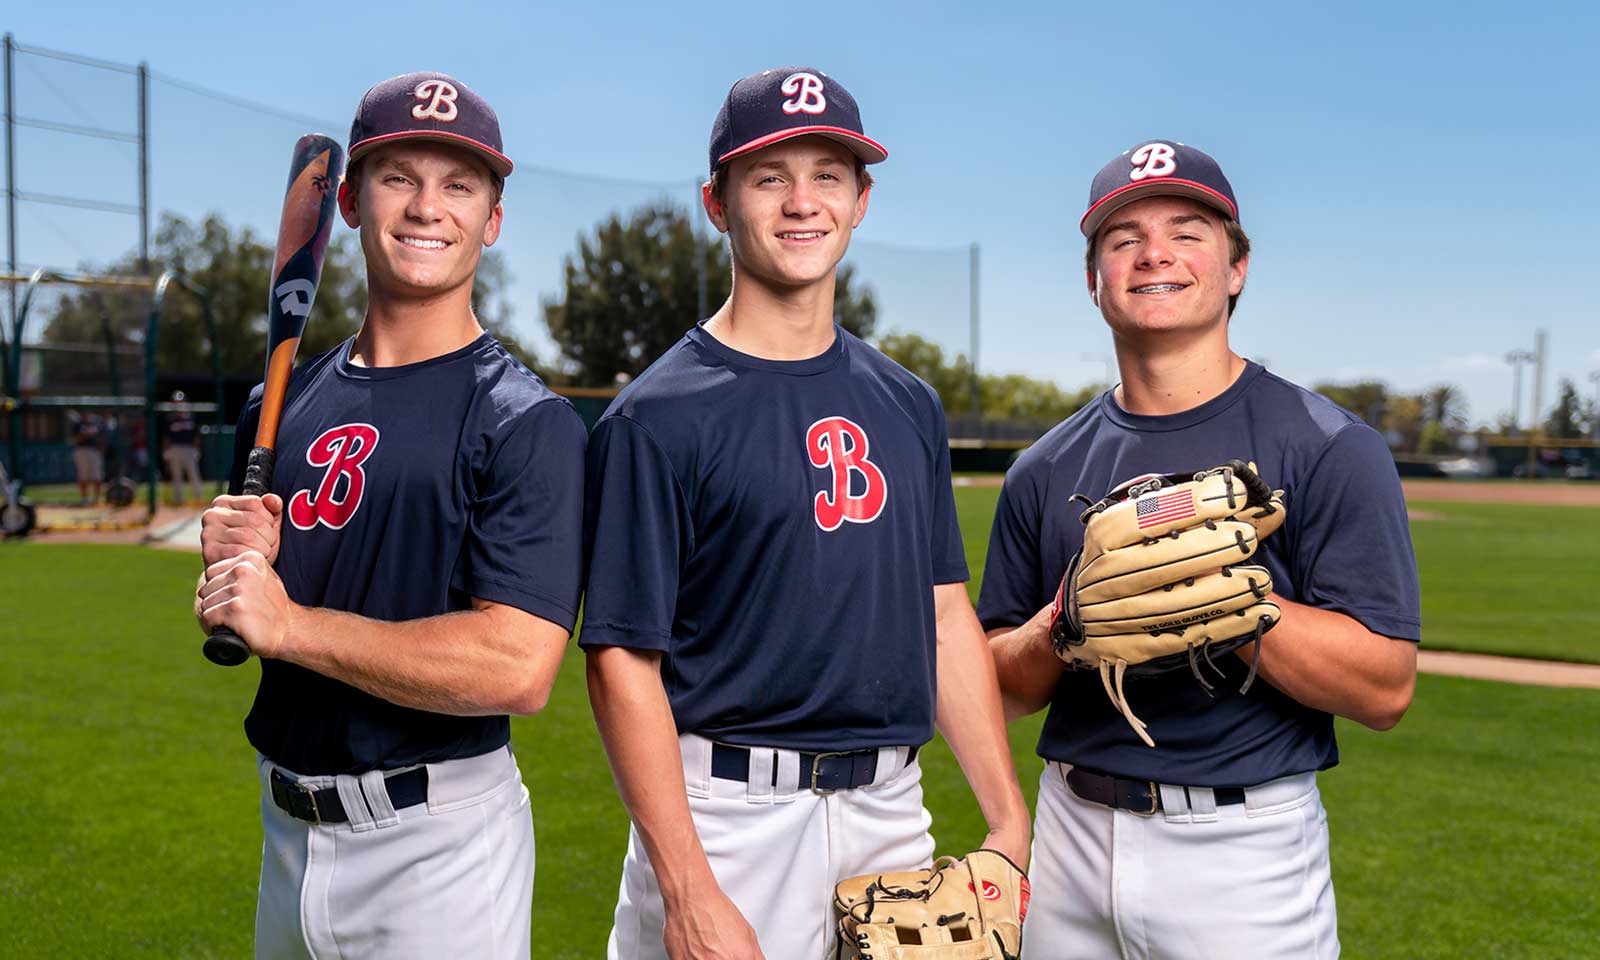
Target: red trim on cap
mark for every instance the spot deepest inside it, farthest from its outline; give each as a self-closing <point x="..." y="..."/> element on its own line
<point x="365" y="145"/>
<point x="772" y="138"/>
<point x="1156" y="182"/>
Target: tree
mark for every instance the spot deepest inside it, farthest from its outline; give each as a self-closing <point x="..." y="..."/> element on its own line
<point x="1445" y="406"/>
<point x="952" y="381"/>
<point x="1000" y="396"/>
<point x="631" y="290"/>
<point x="1566" y="420"/>
<point x="1443" y="419"/>
<point x="1367" y="399"/>
<point x="232" y="265"/>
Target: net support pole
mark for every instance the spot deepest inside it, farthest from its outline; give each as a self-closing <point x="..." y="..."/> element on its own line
<point x="972" y="318"/>
<point x="11" y="193"/>
<point x="144" y="168"/>
<point x="702" y="247"/>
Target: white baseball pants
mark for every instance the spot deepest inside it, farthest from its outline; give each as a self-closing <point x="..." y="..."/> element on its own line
<point x="452" y="877"/>
<point x="1196" y="880"/>
<point x="777" y="852"/>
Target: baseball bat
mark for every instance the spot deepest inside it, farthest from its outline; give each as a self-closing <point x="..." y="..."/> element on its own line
<point x="308" y="209"/>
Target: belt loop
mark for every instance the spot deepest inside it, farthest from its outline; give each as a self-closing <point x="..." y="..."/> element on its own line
<point x="891" y="762"/>
<point x="759" y="788"/>
<point x="788" y="777"/>
<point x="696" y="751"/>
<point x="377" y="796"/>
<point x="355" y="806"/>
<point x="1174" y="803"/>
<point x="1203" y="804"/>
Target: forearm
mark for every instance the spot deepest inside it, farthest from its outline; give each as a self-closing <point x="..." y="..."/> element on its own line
<point x="1027" y="667"/>
<point x="468" y="663"/>
<point x="641" y="741"/>
<point x="1331" y="662"/>
<point x="969" y="714"/>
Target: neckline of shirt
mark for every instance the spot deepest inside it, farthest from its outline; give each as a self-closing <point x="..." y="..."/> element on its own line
<point x="1187" y="418"/>
<point x="820" y="363"/>
<point x="354" y="372"/>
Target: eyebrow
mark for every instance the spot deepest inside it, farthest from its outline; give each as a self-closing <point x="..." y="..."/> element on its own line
<point x="461" y="172"/>
<point x="782" y="165"/>
<point x="1175" y="221"/>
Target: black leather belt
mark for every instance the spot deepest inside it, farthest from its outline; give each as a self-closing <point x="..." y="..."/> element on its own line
<point x="821" y="772"/>
<point x="1136" y="796"/>
<point x="324" y="806"/>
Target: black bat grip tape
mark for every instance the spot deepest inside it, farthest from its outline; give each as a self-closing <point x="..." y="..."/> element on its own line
<point x="224" y="647"/>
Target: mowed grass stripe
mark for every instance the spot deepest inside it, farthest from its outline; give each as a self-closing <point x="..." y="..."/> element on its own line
<point x="1512" y="579"/>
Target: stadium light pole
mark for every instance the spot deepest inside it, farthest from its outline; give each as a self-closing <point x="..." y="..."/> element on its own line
<point x="1517" y="358"/>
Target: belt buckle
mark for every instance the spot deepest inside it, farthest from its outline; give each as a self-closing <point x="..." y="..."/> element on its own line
<point x="1155" y="800"/>
<point x="815" y="772"/>
<point x="292" y="787"/>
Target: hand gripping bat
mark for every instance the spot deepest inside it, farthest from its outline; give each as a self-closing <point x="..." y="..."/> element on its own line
<point x="308" y="210"/>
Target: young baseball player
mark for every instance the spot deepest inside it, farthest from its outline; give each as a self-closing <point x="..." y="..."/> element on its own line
<point x="181" y="453"/>
<point x="1213" y="843"/>
<point x="776" y="616"/>
<point x="413" y="576"/>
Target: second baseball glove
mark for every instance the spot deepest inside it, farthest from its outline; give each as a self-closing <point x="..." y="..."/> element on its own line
<point x="1161" y="583"/>
<point x="966" y="909"/>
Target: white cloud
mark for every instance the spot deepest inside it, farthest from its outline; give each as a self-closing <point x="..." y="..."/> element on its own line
<point x="1472" y="361"/>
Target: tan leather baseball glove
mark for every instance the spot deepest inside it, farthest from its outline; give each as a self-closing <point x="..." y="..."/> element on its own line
<point x="966" y="909"/>
<point x="1161" y="583"/>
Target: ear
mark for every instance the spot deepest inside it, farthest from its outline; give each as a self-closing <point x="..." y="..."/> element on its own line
<point x="491" y="230"/>
<point x="861" y="206"/>
<point x="715" y="211"/>
<point x="1094" y="287"/>
<point x="1236" y="275"/>
<point x="347" y="206"/>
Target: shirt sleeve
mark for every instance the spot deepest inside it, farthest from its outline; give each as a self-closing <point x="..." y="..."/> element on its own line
<point x="1351" y="547"/>
<point x="1011" y="589"/>
<point x="637" y="534"/>
<point x="524" y="543"/>
<point x="949" y="556"/>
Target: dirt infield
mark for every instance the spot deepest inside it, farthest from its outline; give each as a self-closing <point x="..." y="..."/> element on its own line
<point x="1548" y="493"/>
<point x="1482" y="666"/>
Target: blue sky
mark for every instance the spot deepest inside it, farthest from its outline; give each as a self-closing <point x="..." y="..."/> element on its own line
<point x="1418" y="179"/>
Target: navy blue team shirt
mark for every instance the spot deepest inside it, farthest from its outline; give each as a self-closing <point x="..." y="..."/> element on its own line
<point x="1344" y="546"/>
<point x="408" y="491"/>
<point x="775" y="530"/>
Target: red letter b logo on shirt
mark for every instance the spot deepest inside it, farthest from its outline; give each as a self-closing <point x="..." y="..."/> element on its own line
<point x="842" y="445"/>
<point x="342" y="450"/>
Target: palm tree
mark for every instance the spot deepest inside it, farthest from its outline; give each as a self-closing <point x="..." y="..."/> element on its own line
<point x="1443" y="404"/>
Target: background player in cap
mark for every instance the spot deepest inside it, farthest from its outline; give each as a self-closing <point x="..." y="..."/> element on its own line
<point x="776" y="615"/>
<point x="1213" y="842"/>
<point x="413" y="576"/>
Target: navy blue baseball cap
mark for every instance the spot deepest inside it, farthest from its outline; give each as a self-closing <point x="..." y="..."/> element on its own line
<point x="1157" y="168"/>
<point x="774" y="105"/>
<point x="428" y="106"/>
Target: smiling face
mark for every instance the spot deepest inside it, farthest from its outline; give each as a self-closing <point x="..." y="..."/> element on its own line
<point x="789" y="209"/>
<point x="1163" y="264"/>
<point x="425" y="211"/>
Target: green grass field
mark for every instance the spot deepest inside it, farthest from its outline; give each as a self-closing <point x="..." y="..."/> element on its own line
<point x="130" y="827"/>
<point x="1509" y="579"/>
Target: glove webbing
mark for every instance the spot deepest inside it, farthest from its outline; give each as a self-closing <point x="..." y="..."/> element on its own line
<point x="1119" y="699"/>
